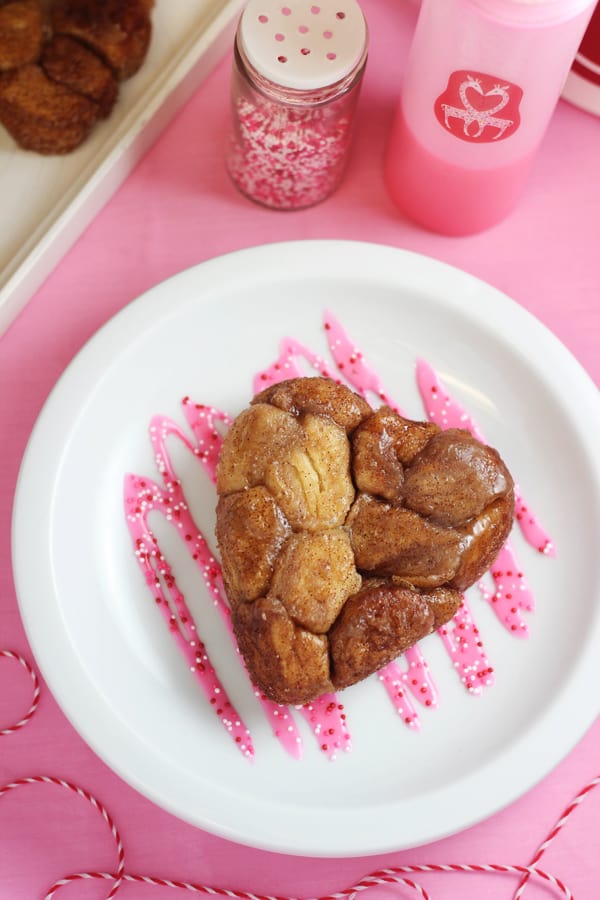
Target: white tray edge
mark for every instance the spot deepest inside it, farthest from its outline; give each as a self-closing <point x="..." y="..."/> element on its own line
<point x="148" y="117"/>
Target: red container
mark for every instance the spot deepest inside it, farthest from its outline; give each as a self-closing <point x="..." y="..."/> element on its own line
<point x="583" y="84"/>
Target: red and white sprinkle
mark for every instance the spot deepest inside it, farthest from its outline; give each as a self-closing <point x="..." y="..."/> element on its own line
<point x="287" y="157"/>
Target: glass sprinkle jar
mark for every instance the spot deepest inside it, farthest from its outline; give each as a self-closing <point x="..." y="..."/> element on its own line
<point x="297" y="72"/>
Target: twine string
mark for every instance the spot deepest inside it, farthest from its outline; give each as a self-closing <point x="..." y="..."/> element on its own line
<point x="558" y="826"/>
<point x="395" y="875"/>
<point x="80" y="792"/>
<point x="10" y="654"/>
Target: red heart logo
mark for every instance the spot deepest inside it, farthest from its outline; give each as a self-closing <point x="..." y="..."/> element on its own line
<point x="479" y="108"/>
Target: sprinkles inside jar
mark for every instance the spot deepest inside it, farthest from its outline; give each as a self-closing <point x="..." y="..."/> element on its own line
<point x="296" y="79"/>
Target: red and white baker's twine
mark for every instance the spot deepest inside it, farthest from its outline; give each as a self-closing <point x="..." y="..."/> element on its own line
<point x="49" y="779"/>
<point x="10" y="654"/>
<point x="395" y="875"/>
<point x="559" y="825"/>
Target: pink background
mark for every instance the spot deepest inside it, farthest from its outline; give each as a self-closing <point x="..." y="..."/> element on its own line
<point x="175" y="210"/>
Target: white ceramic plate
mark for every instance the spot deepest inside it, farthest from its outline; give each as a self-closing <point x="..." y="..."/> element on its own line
<point x="112" y="663"/>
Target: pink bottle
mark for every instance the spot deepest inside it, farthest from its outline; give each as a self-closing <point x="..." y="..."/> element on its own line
<point x="481" y="82"/>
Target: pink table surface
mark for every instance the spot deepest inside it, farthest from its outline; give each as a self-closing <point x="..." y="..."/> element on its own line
<point x="175" y="210"/>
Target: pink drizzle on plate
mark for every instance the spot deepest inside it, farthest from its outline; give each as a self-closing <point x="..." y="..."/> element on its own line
<point x="352" y="364"/>
<point x="465" y="648"/>
<point x="327" y="721"/>
<point x="511" y="593"/>
<point x="288" y="365"/>
<point x="143" y="496"/>
<point x="508" y="595"/>
<point x="415" y="679"/>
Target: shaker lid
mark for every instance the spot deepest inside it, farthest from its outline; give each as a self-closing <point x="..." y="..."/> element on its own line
<point x="303" y="44"/>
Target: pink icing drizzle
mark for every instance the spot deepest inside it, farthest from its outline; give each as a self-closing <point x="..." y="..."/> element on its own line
<point x="511" y="594"/>
<point x="531" y="529"/>
<point x="352" y="364"/>
<point x="325" y="716"/>
<point x="204" y="421"/>
<point x="287" y="365"/>
<point x="327" y="720"/>
<point x="143" y="496"/>
<point x="465" y="648"/>
<point x="439" y="406"/>
<point x="466" y="656"/>
<point x="416" y="679"/>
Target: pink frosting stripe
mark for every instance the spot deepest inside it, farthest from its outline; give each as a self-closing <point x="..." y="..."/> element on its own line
<point x="352" y="364"/>
<point x="530" y="527"/>
<point x="287" y="365"/>
<point x="282" y="724"/>
<point x="415" y="679"/>
<point x="511" y="593"/>
<point x="325" y="716"/>
<point x="204" y="421"/>
<point x="143" y="496"/>
<point x="172" y="504"/>
<point x="465" y="648"/>
<point x="327" y="721"/>
<point x="439" y="405"/>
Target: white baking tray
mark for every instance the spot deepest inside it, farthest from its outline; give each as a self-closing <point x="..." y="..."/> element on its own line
<point x="46" y="202"/>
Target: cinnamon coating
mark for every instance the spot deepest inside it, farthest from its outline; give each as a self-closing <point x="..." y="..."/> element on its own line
<point x="70" y="63"/>
<point x="61" y="63"/>
<point x="21" y="33"/>
<point x="118" y="31"/>
<point x="42" y="115"/>
<point x="346" y="534"/>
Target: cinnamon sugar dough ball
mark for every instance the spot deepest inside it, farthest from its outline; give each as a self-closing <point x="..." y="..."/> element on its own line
<point x="21" y="33"/>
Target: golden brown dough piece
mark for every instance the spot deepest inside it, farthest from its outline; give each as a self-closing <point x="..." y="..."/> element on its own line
<point x="320" y="396"/>
<point x="375" y="626"/>
<point x="346" y="535"/>
<point x="303" y="461"/>
<point x="42" y="115"/>
<point x="70" y="63"/>
<point x="381" y="446"/>
<point x="119" y="31"/>
<point x="251" y="530"/>
<point x="392" y="540"/>
<point x="21" y="33"/>
<point x="287" y="662"/>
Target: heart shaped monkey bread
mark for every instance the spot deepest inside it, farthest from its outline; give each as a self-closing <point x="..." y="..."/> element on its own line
<point x="347" y="534"/>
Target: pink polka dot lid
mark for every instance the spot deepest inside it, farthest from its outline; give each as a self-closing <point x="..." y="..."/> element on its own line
<point x="303" y="44"/>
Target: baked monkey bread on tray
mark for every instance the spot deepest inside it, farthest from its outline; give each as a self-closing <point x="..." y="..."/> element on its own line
<point x="347" y="534"/>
